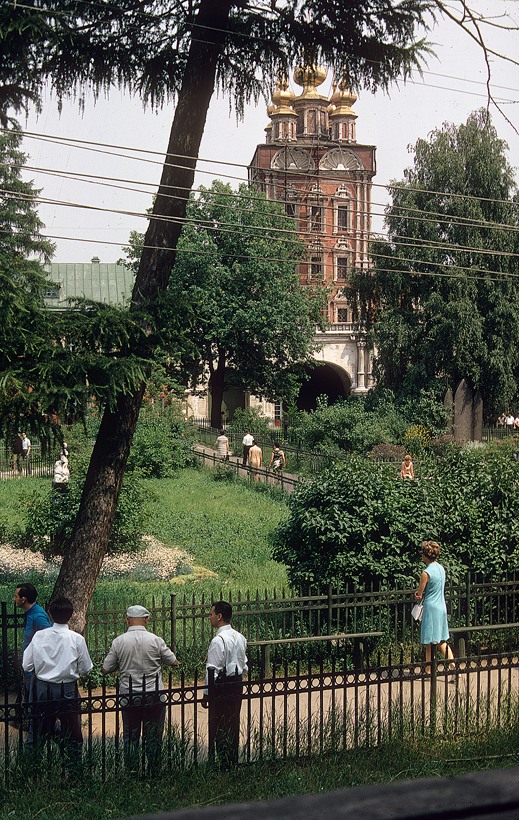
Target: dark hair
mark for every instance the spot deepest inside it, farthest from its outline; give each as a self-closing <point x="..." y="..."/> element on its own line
<point x="61" y="610"/>
<point x="222" y="432"/>
<point x="277" y="444"/>
<point x="224" y="609"/>
<point x="27" y="591"/>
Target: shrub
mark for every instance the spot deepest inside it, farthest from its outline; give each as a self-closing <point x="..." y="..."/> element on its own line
<point x="387" y="452"/>
<point x="161" y="444"/>
<point x="249" y="419"/>
<point x="358" y="424"/>
<point x="50" y="519"/>
<point x="416" y="439"/>
<point x="360" y="523"/>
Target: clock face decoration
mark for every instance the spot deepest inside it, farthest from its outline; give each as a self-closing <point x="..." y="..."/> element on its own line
<point x="292" y="159"/>
<point x="340" y="159"/>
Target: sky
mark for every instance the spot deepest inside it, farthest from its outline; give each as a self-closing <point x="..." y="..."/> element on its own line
<point x="97" y="217"/>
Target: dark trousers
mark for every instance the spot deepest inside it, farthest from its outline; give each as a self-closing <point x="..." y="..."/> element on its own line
<point x="143" y="715"/>
<point x="224" y="720"/>
<point x="246" y="448"/>
<point x="58" y="701"/>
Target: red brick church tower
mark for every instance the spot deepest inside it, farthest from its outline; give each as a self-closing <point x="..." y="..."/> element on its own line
<point x="311" y="161"/>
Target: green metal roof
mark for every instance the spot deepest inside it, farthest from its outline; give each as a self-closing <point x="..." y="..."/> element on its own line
<point x="110" y="282"/>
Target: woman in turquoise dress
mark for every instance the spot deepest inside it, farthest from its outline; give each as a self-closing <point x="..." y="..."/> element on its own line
<point x="435" y="630"/>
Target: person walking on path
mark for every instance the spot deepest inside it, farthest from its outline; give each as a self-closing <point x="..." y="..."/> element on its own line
<point x="26" y="452"/>
<point x="247" y="443"/>
<point x="227" y="658"/>
<point x="431" y="591"/>
<point x="277" y="459"/>
<point x="58" y="656"/>
<point x="255" y="459"/>
<point x="139" y="655"/>
<point x="221" y="446"/>
<point x="35" y="620"/>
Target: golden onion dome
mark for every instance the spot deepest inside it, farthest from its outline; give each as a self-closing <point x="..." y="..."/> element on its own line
<point x="342" y="99"/>
<point x="310" y="77"/>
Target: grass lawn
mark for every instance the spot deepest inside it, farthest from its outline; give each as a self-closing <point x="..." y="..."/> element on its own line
<point x="225" y="526"/>
<point x="49" y="796"/>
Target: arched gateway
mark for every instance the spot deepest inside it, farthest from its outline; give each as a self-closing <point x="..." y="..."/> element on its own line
<point x="325" y="380"/>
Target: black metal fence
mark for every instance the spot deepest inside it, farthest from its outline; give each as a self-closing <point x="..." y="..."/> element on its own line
<point x="306" y="462"/>
<point x="307" y="709"/>
<point x="37" y="465"/>
<point x="182" y="619"/>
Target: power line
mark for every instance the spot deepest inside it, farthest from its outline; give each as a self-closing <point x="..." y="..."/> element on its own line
<point x="287" y="173"/>
<point x="489" y="276"/>
<point x="460" y="221"/>
<point x="283" y="234"/>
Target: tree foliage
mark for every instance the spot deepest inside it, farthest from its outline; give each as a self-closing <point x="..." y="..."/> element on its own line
<point x="25" y="348"/>
<point x="51" y="364"/>
<point x="442" y="302"/>
<point x="360" y="523"/>
<point x="358" y="424"/>
<point x="250" y="313"/>
<point x="144" y="47"/>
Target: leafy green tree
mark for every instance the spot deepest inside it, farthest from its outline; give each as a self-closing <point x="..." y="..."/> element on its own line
<point x="359" y="424"/>
<point x="251" y="314"/>
<point x="442" y="302"/>
<point x="156" y="50"/>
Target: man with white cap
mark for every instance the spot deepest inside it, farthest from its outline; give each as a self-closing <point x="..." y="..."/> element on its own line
<point x="138" y="655"/>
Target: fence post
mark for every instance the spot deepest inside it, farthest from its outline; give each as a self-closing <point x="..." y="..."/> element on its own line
<point x="434" y="682"/>
<point x="329" y="607"/>
<point x="173" y="616"/>
<point x="5" y="659"/>
<point x="211" y="715"/>
<point x="467" y="599"/>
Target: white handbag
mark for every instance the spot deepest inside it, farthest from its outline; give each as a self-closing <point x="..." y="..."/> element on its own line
<point x="417" y="612"/>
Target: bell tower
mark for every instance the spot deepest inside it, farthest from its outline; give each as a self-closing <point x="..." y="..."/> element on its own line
<point x="312" y="163"/>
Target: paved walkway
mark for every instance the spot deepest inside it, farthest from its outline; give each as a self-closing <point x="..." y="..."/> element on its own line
<point x="286" y="481"/>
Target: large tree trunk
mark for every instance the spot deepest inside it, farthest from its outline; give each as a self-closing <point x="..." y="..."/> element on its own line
<point x="88" y="543"/>
<point x="217" y="388"/>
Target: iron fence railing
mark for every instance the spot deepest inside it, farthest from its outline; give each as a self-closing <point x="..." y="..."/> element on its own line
<point x="305" y="709"/>
<point x="182" y="620"/>
<point x="38" y="465"/>
<point x="234" y="467"/>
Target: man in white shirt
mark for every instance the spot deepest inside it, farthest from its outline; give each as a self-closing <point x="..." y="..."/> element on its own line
<point x="58" y="656"/>
<point x="26" y="452"/>
<point x="247" y="442"/>
<point x="139" y="656"/>
<point x="226" y="664"/>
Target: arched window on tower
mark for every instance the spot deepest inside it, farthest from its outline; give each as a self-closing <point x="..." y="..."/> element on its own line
<point x="342" y="211"/>
<point x="315" y="210"/>
<point x="342" y="260"/>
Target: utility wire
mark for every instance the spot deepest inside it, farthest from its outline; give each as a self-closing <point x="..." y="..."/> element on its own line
<point x="283" y="234"/>
<point x="318" y="175"/>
